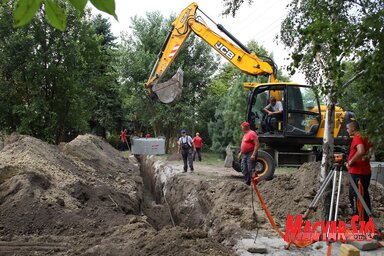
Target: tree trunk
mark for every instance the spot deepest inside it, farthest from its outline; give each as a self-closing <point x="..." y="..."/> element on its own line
<point x="328" y="145"/>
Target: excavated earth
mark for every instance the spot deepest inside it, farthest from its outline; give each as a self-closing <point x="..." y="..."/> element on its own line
<point x="86" y="198"/>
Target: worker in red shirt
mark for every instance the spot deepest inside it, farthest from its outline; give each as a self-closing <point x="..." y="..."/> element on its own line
<point x="358" y="165"/>
<point x="197" y="141"/>
<point x="123" y="140"/>
<point x="248" y="152"/>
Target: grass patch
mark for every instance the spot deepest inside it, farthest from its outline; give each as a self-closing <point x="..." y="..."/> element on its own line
<point x="285" y="170"/>
<point x="212" y="158"/>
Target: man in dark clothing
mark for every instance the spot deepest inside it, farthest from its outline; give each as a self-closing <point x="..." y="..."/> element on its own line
<point x="359" y="166"/>
<point x="186" y="148"/>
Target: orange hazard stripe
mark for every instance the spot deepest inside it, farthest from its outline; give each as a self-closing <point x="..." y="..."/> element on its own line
<point x="174" y="50"/>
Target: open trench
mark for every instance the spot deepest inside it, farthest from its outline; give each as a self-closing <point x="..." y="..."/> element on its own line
<point x="216" y="203"/>
<point x="168" y="200"/>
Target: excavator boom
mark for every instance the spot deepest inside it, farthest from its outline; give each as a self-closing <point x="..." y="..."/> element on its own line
<point x="235" y="52"/>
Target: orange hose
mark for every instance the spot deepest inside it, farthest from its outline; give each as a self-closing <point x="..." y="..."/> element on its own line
<point x="359" y="205"/>
<point x="329" y="250"/>
<point x="300" y="244"/>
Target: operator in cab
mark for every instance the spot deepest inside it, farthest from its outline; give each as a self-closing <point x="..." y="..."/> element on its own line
<point x="274" y="110"/>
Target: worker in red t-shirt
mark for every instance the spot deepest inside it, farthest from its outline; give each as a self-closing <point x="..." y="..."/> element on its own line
<point x="123" y="139"/>
<point x="358" y="165"/>
<point x="248" y="152"/>
<point x="197" y="141"/>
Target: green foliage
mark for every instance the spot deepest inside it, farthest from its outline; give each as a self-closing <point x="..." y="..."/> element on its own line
<point x="114" y="140"/>
<point x="326" y="34"/>
<point x="107" y="114"/>
<point x="25" y="10"/>
<point x="107" y="6"/>
<point x="55" y="15"/>
<point x="232" y="6"/>
<point x="230" y="103"/>
<point x="52" y="82"/>
<point x="225" y="129"/>
<point x="79" y="4"/>
<point x="138" y="54"/>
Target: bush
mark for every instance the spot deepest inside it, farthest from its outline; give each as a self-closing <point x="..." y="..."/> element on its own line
<point x="114" y="140"/>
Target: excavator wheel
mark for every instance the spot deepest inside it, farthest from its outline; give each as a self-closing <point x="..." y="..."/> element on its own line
<point x="265" y="165"/>
<point x="236" y="165"/>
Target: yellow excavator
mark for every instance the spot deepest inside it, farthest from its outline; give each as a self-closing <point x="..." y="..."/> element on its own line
<point x="290" y="139"/>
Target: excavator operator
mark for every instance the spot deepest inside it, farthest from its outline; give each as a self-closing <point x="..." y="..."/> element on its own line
<point x="274" y="111"/>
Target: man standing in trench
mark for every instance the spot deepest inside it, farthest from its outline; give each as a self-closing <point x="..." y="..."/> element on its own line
<point x="248" y="152"/>
<point x="359" y="166"/>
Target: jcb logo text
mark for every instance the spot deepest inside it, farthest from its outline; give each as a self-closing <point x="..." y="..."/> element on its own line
<point x="224" y="50"/>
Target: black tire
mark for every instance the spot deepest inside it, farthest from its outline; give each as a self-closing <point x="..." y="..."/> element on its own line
<point x="265" y="165"/>
<point x="236" y="165"/>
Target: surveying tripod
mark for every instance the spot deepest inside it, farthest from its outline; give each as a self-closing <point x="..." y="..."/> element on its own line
<point x="337" y="168"/>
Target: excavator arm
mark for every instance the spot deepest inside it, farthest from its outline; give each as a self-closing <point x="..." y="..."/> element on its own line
<point x="235" y="52"/>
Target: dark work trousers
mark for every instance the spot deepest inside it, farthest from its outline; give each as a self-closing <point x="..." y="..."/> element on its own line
<point x="248" y="166"/>
<point x="268" y="122"/>
<point x="187" y="157"/>
<point x="365" y="180"/>
<point x="198" y="151"/>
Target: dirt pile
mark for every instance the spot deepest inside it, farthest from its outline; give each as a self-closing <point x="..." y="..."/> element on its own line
<point x="85" y="187"/>
<point x="293" y="193"/>
<point x="139" y="238"/>
<point x="84" y="198"/>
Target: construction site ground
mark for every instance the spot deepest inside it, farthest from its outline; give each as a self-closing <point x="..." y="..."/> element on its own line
<point x="86" y="198"/>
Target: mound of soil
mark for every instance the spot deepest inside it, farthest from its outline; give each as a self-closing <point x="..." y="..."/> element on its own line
<point x="139" y="238"/>
<point x="45" y="190"/>
<point x="293" y="193"/>
<point x="84" y="198"/>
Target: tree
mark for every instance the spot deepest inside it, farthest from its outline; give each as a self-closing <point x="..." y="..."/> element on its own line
<point x="138" y="54"/>
<point x="323" y="35"/>
<point x="46" y="76"/>
<point x="232" y="6"/>
<point x="54" y="12"/>
<point x="107" y="115"/>
<point x="364" y="98"/>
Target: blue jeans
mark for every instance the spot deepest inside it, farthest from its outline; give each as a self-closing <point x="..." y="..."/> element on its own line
<point x="248" y="166"/>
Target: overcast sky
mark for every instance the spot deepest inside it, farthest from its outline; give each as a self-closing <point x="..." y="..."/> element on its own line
<point x="260" y="21"/>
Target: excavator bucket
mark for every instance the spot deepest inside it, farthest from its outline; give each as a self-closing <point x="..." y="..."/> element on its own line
<point x="170" y="90"/>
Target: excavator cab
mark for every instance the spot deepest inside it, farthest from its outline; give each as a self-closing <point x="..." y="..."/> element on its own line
<point x="300" y="119"/>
